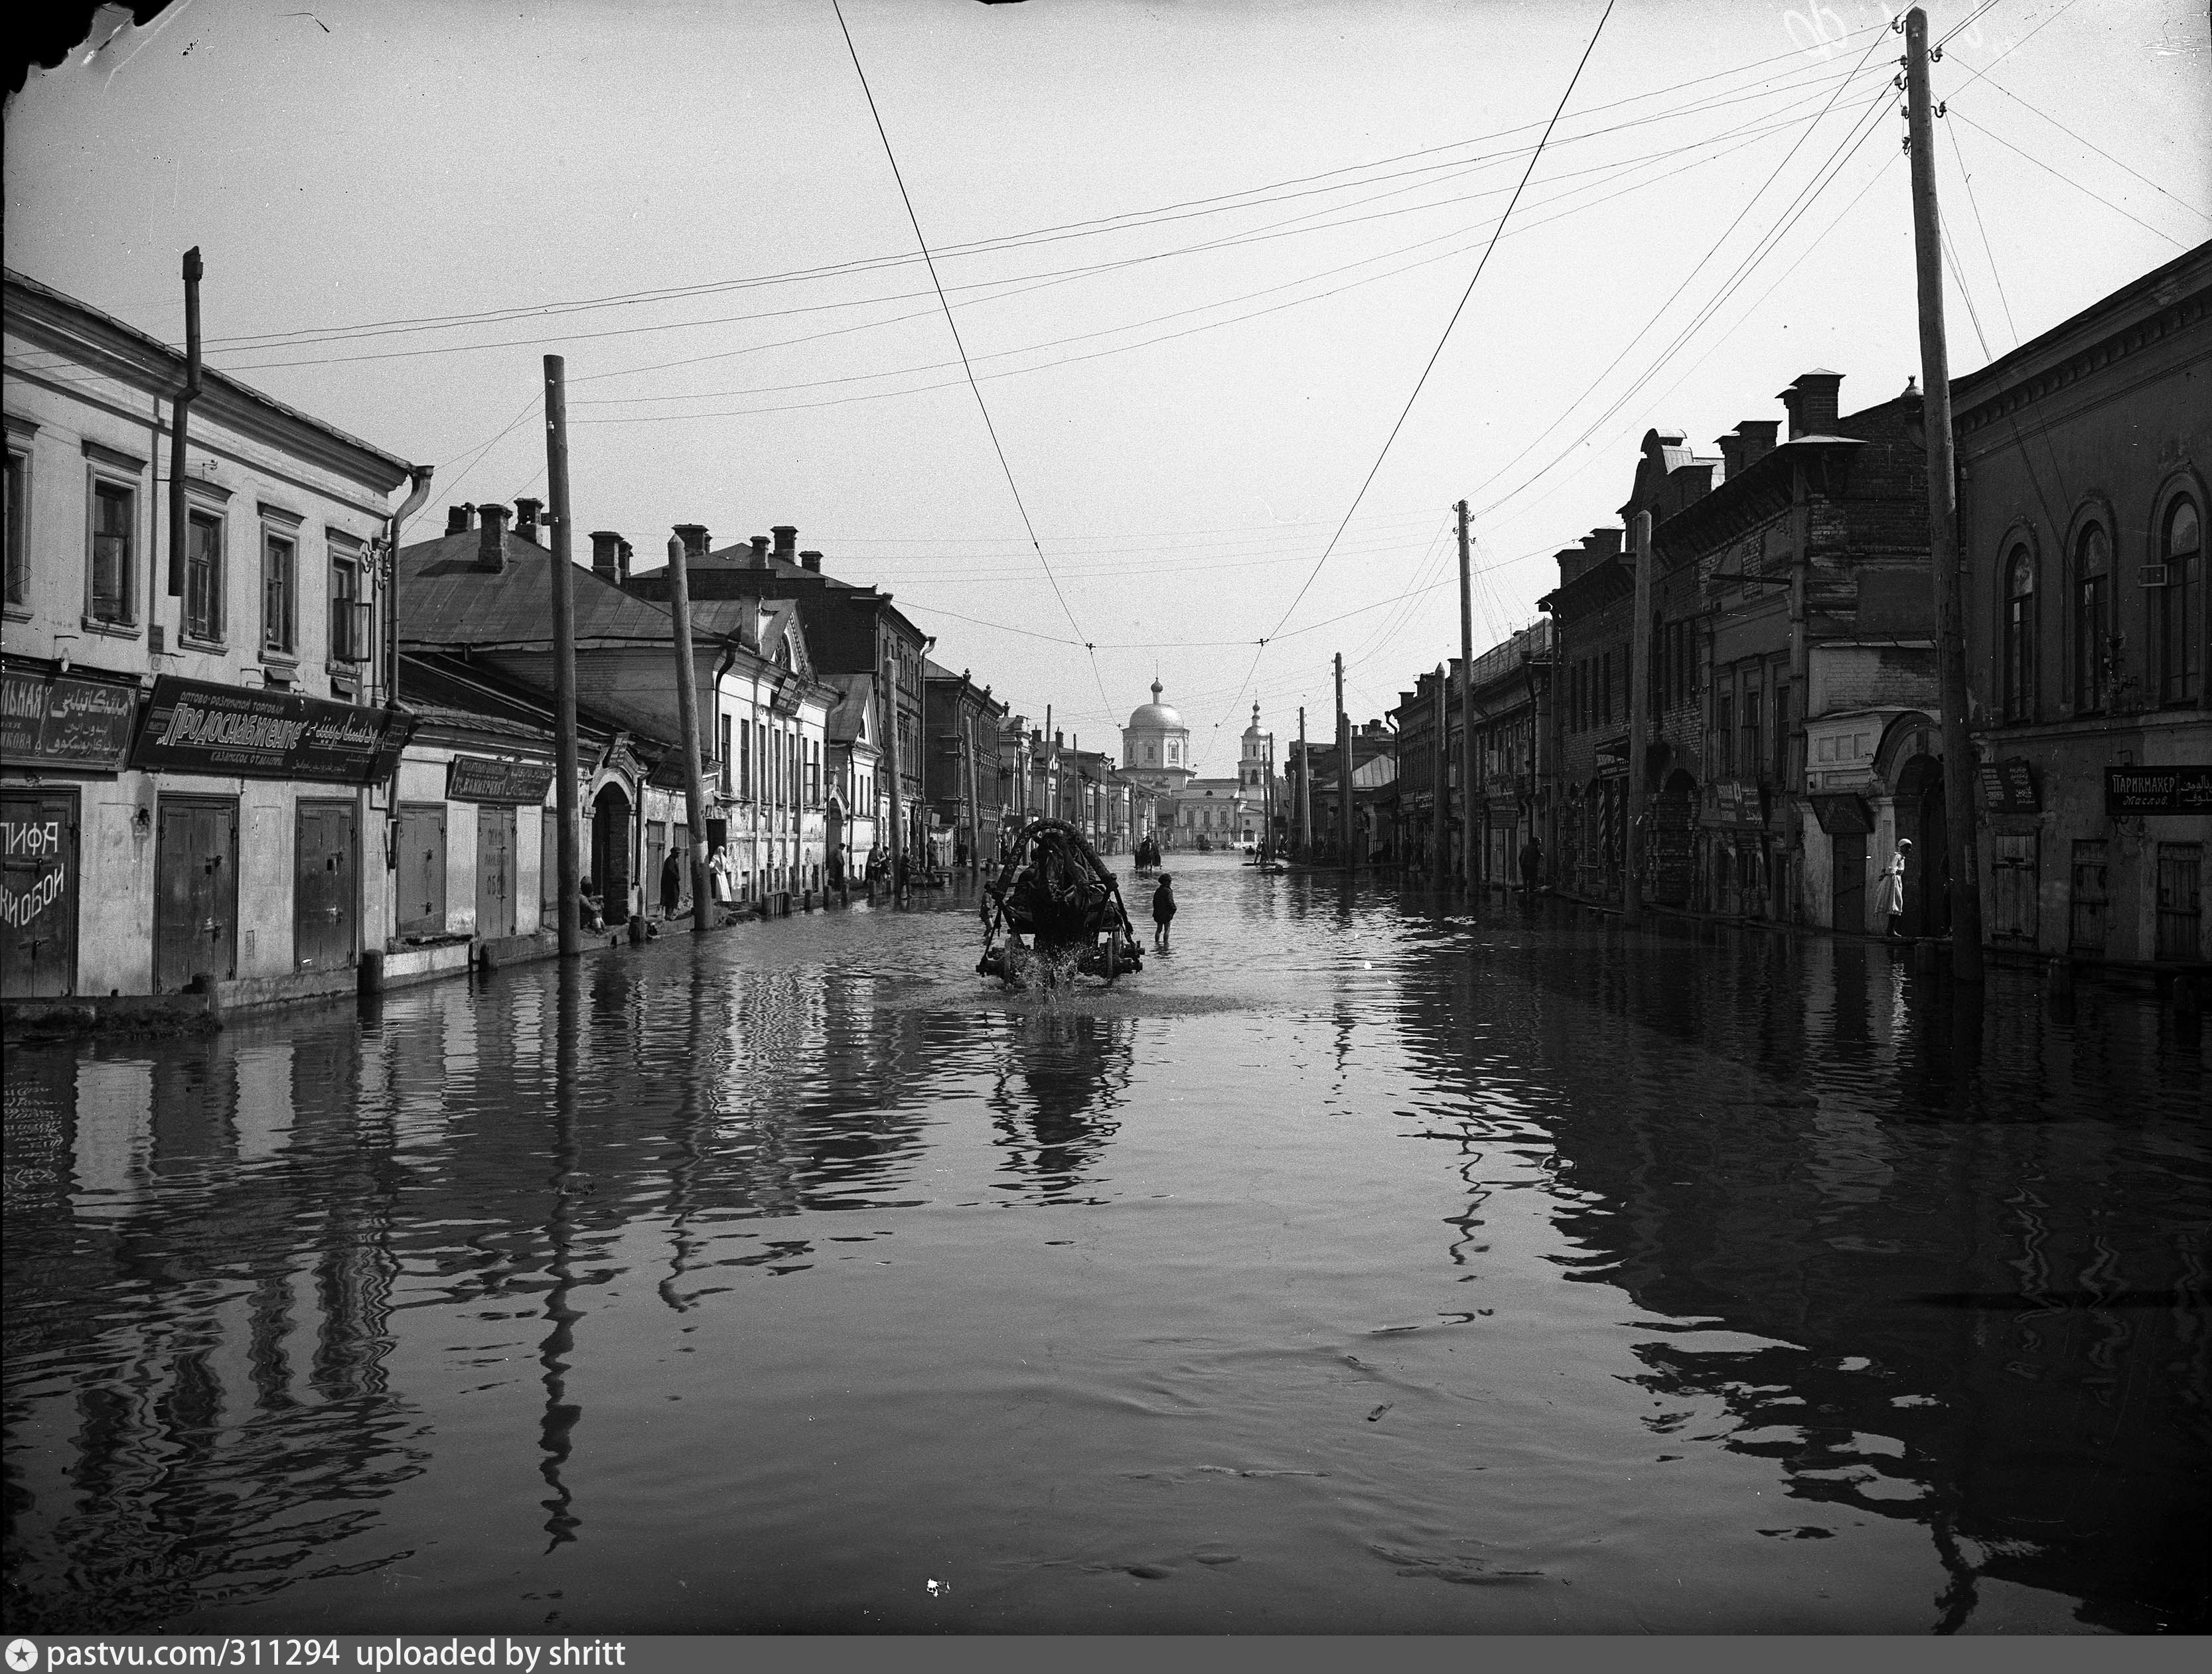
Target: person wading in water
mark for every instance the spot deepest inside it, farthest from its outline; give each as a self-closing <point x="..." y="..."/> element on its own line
<point x="1163" y="910"/>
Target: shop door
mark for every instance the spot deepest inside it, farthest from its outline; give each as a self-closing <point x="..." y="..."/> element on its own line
<point x="196" y="892"/>
<point x="423" y="869"/>
<point x="38" y="859"/>
<point x="1847" y="892"/>
<point x="2089" y="899"/>
<point x="656" y="852"/>
<point x="323" y="890"/>
<point x="2012" y="886"/>
<point x="2180" y="900"/>
<point x="495" y="870"/>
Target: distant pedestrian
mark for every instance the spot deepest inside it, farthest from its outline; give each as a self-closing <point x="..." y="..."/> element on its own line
<point x="1889" y="894"/>
<point x="672" y="884"/>
<point x="1532" y="867"/>
<point x="1163" y="910"/>
<point x="717" y="874"/>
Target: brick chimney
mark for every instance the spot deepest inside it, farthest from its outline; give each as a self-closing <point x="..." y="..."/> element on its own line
<point x="606" y="555"/>
<point x="1812" y="403"/>
<point x="693" y="536"/>
<point x="811" y="560"/>
<point x="759" y="560"/>
<point x="786" y="541"/>
<point x="622" y="560"/>
<point x="491" y="543"/>
<point x="456" y="519"/>
<point x="1750" y="441"/>
<point x="526" y="519"/>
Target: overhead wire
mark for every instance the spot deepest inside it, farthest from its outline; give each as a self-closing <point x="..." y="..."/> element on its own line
<point x="953" y="325"/>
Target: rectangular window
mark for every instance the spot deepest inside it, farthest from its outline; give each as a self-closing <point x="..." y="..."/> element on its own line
<point x="204" y="577"/>
<point x="1752" y="758"/>
<point x="722" y="757"/>
<point x="1782" y="734"/>
<point x="18" y="514"/>
<point x="1724" y="734"/>
<point x="745" y="760"/>
<point x="115" y="547"/>
<point x="2181" y="604"/>
<point x="279" y="591"/>
<point x="349" y="610"/>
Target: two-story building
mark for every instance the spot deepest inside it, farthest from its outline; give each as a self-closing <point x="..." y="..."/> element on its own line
<point x="963" y="765"/>
<point x="197" y="750"/>
<point x="2085" y="460"/>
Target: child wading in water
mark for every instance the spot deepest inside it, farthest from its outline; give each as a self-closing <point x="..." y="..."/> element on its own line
<point x="1163" y="910"/>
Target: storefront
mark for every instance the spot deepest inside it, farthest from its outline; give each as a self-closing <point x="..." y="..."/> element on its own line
<point x="61" y="735"/>
<point x="255" y="802"/>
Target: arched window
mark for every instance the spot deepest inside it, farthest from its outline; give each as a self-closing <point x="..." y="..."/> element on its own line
<point x="2181" y="606"/>
<point x="2020" y="636"/>
<point x="2092" y="569"/>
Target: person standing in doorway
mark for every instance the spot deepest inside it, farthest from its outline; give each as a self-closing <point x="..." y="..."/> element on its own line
<point x="672" y="884"/>
<point x="1531" y="868"/>
<point x="1889" y="895"/>
<point x="1163" y="910"/>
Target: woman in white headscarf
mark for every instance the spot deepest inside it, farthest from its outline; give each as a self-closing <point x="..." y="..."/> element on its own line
<point x="1889" y="894"/>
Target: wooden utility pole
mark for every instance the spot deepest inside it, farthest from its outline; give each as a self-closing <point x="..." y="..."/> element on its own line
<point x="569" y="887"/>
<point x="1305" y="792"/>
<point x="1639" y="725"/>
<point x="1959" y="776"/>
<point x="1343" y="770"/>
<point x="687" y="719"/>
<point x="898" y="802"/>
<point x="1440" y="766"/>
<point x="1466" y="706"/>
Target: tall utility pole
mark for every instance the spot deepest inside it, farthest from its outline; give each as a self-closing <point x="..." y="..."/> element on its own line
<point x="1440" y="766"/>
<point x="687" y="719"/>
<point x="1639" y="725"/>
<point x="570" y="886"/>
<point x="1343" y="769"/>
<point x="1466" y="705"/>
<point x="1942" y="518"/>
<point x="898" y="803"/>
<point x="1305" y="792"/>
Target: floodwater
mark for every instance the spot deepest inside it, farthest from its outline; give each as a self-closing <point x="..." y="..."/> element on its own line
<point x="1365" y="1263"/>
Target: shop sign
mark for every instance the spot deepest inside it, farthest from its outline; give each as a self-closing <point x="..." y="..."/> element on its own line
<point x="195" y="727"/>
<point x="53" y="720"/>
<point x="1842" y="815"/>
<point x="2167" y="790"/>
<point x="1737" y="804"/>
<point x="2008" y="786"/>
<point x="481" y="779"/>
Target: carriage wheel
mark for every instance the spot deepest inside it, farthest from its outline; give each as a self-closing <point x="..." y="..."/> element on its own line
<point x="1113" y="956"/>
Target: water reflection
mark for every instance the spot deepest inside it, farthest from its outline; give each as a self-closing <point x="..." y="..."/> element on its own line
<point x="596" y="1270"/>
<point x="1054" y="1103"/>
<point x="1979" y="1308"/>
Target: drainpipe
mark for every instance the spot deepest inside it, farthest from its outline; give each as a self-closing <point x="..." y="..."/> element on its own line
<point x="179" y="408"/>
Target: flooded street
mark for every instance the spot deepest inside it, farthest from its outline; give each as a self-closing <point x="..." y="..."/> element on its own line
<point x="1365" y="1263"/>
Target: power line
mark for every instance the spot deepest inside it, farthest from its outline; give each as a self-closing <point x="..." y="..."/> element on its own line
<point x="953" y="326"/>
<point x="2070" y="180"/>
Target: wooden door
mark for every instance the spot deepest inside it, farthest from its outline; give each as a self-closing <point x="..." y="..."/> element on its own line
<point x="195" y="891"/>
<point x="421" y="869"/>
<point x="1847" y="886"/>
<point x="38" y="903"/>
<point x="2013" y="883"/>
<point x="495" y="870"/>
<point x="323" y="888"/>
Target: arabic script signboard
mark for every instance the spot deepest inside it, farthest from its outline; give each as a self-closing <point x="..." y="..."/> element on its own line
<point x="480" y="779"/>
<point x="53" y="720"/>
<point x="195" y="727"/>
<point x="2008" y="786"/>
<point x="2169" y="790"/>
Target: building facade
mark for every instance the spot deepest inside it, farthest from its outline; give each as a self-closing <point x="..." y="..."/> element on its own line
<point x="197" y="751"/>
<point x="2085" y="460"/>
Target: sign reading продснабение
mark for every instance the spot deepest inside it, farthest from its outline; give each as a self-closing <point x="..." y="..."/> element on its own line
<point x="2165" y="790"/>
<point x="193" y="727"/>
<point x="480" y="779"/>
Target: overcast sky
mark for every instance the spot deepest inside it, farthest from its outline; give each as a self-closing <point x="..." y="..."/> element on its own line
<point x="1219" y="242"/>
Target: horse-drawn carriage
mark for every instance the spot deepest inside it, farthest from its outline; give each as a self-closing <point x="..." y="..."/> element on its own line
<point x="1060" y="908"/>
